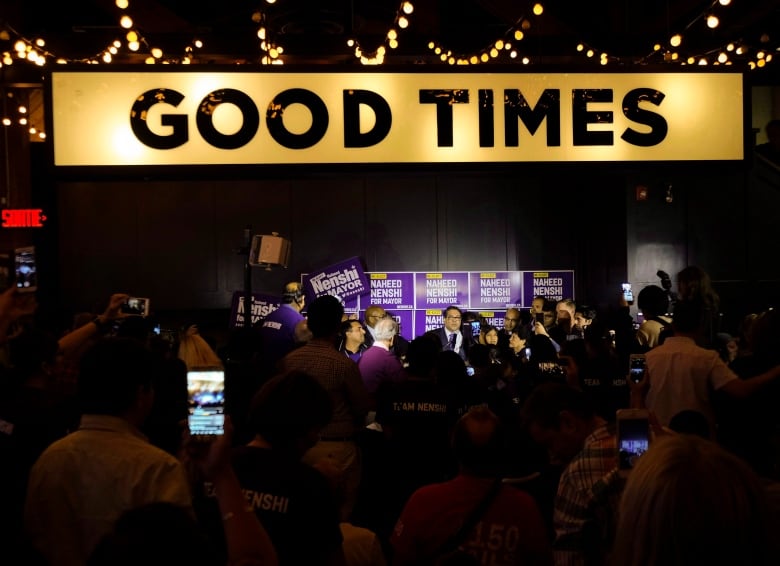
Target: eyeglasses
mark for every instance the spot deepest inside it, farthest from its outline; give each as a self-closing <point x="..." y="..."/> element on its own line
<point x="453" y="317"/>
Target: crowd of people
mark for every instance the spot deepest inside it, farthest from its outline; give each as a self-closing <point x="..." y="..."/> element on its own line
<point x="346" y="444"/>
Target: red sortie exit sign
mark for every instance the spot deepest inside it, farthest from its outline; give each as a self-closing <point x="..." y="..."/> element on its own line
<point x="23" y="218"/>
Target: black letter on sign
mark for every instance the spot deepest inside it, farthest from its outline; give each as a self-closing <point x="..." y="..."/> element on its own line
<point x="657" y="123"/>
<point x="204" y="118"/>
<point x="548" y="106"/>
<point x="581" y="117"/>
<point x="444" y="99"/>
<point x="353" y="137"/>
<point x="486" y="134"/>
<point x="319" y="118"/>
<point x="140" y="127"/>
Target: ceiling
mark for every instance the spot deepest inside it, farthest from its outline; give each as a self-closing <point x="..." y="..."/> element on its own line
<point x="314" y="32"/>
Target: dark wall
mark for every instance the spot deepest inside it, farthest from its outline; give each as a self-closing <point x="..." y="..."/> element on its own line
<point x="723" y="218"/>
<point x="176" y="241"/>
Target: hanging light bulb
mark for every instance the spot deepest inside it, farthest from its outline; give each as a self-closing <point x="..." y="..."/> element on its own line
<point x="730" y="47"/>
<point x="703" y="61"/>
<point x="675" y="40"/>
<point x="393" y="43"/>
<point x="526" y="60"/>
<point x="657" y="47"/>
<point x="407" y="8"/>
<point x="392" y="34"/>
<point x="484" y="57"/>
<point x="134" y="46"/>
<point x="156" y="52"/>
<point x="126" y="21"/>
<point x="403" y="23"/>
<point x="500" y="44"/>
<point x="519" y="34"/>
<point x="198" y="43"/>
<point x="538" y="9"/>
<point x="712" y="21"/>
<point x="722" y="57"/>
<point x="474" y="60"/>
<point x="724" y="2"/>
<point x="760" y="55"/>
<point x="589" y="53"/>
<point x="494" y="53"/>
<point x="691" y="60"/>
<point x="580" y="47"/>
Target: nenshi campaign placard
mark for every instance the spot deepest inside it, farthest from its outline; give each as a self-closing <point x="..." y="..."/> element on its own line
<point x="552" y="285"/>
<point x="390" y="290"/>
<point x="262" y="306"/>
<point x="344" y="280"/>
<point x="495" y="289"/>
<point x="442" y="289"/>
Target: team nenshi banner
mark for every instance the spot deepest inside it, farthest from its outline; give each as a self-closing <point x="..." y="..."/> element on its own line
<point x="163" y="116"/>
<point x="262" y="306"/>
<point x="552" y="285"/>
<point x="344" y="280"/>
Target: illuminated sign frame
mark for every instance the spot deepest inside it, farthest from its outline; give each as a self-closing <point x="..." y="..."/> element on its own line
<point x="175" y="118"/>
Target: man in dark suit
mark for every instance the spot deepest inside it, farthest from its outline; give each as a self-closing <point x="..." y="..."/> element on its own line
<point x="452" y="336"/>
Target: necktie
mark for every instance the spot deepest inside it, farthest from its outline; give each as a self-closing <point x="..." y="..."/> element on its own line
<point x="453" y="339"/>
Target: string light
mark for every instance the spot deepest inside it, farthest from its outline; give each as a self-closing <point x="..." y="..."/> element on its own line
<point x="34" y="50"/>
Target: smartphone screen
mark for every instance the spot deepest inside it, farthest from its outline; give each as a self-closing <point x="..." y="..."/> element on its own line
<point x="26" y="272"/>
<point x="137" y="306"/>
<point x="637" y="367"/>
<point x="206" y="396"/>
<point x="633" y="437"/>
<point x="475" y="327"/>
<point x="627" y="293"/>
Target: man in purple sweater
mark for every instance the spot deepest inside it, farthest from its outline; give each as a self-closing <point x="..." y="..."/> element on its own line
<point x="378" y="363"/>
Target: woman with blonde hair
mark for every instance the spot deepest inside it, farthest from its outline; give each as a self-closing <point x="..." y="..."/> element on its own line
<point x="195" y="351"/>
<point x="688" y="501"/>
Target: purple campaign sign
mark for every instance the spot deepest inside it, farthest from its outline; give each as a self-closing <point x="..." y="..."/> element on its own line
<point x="351" y="306"/>
<point x="405" y="320"/>
<point x="262" y="306"/>
<point x="493" y="318"/>
<point x="344" y="280"/>
<point x="391" y="291"/>
<point x="442" y="289"/>
<point x="552" y="285"/>
<point x="429" y="319"/>
<point x="495" y="289"/>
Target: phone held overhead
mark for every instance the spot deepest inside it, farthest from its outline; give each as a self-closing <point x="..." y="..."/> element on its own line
<point x="206" y="402"/>
<point x="628" y="294"/>
<point x="25" y="269"/>
<point x="138" y="306"/>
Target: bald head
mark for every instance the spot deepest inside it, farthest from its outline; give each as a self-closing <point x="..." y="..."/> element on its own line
<point x="374" y="314"/>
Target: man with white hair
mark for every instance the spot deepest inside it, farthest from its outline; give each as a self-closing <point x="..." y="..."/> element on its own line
<point x="378" y="364"/>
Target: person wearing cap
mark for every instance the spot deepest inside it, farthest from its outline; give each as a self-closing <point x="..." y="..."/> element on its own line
<point x="277" y="332"/>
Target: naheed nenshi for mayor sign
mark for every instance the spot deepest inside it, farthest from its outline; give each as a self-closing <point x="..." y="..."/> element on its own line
<point x="171" y="117"/>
